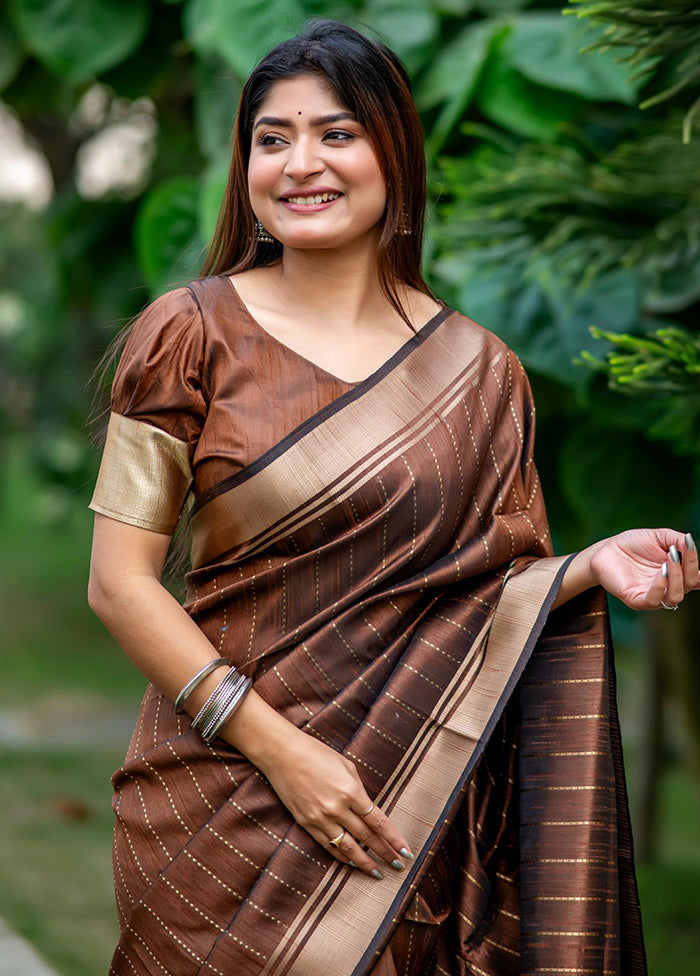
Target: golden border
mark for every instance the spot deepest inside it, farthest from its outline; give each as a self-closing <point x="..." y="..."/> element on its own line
<point x="144" y="476"/>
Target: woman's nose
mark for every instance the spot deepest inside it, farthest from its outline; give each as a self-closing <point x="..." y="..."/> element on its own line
<point x="303" y="159"/>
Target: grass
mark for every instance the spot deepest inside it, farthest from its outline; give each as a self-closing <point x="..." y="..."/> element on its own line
<point x="55" y="845"/>
<point x="55" y="851"/>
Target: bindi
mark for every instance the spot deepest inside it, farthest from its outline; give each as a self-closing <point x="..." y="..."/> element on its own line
<point x="298" y="113"/>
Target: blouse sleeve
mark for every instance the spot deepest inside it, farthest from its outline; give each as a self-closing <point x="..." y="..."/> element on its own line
<point x="158" y="409"/>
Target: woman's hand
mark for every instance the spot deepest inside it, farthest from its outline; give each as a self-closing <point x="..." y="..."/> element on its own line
<point x="641" y="567"/>
<point x="323" y="792"/>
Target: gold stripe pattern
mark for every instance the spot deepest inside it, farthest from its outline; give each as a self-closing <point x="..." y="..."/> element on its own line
<point x="144" y="476"/>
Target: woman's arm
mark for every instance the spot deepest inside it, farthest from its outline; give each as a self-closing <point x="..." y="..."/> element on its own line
<point x="321" y="788"/>
<point x="641" y="567"/>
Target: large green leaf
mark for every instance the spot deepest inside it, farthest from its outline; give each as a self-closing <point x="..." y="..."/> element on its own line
<point x="544" y="322"/>
<point x="509" y="98"/>
<point x="409" y="27"/>
<point x="168" y="246"/>
<point x="240" y="31"/>
<point x="453" y="78"/>
<point x="618" y="479"/>
<point x="77" y="39"/>
<point x="547" y="49"/>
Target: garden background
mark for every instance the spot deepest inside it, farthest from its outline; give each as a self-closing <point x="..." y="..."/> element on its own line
<point x="564" y="194"/>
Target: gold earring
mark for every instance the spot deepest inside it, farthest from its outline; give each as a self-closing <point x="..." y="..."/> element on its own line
<point x="263" y="236"/>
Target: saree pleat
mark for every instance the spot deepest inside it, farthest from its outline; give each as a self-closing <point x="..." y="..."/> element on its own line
<point x="379" y="563"/>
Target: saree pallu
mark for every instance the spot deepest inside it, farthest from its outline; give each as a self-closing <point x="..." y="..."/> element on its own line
<point x="384" y="574"/>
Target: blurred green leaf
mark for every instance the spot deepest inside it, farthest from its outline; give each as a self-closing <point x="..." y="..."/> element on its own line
<point x="616" y="479"/>
<point x="215" y="102"/>
<point x="507" y="97"/>
<point x="11" y="53"/>
<point x="78" y="39"/>
<point x="547" y="49"/>
<point x="240" y="31"/>
<point x="453" y="78"/>
<point x="408" y="26"/>
<point x="168" y="245"/>
<point x="211" y="194"/>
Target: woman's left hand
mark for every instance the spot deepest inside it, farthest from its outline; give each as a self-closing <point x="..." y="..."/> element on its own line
<point x="645" y="568"/>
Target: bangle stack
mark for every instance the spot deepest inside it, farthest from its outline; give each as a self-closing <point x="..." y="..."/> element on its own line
<point x="221" y="704"/>
<point x="223" y="701"/>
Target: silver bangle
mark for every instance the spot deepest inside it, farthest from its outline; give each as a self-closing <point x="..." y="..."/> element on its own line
<point x="223" y="694"/>
<point x="199" y="677"/>
<point x="236" y="701"/>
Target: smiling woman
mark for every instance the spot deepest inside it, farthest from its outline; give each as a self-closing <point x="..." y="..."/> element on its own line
<point x="301" y="136"/>
<point x="411" y="764"/>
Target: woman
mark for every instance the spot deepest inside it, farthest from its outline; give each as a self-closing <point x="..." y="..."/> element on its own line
<point x="425" y="776"/>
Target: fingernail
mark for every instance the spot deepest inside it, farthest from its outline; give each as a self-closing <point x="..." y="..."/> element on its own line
<point x="351" y="864"/>
<point x="377" y="874"/>
<point x="664" y="570"/>
<point x="673" y="553"/>
<point x="404" y="852"/>
<point x="398" y="865"/>
<point x="689" y="542"/>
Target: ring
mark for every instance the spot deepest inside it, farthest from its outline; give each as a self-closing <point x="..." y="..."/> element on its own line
<point x="666" y="607"/>
<point x="336" y="840"/>
<point x="367" y="811"/>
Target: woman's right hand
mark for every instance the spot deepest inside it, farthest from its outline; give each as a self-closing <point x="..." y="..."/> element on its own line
<point x="323" y="792"/>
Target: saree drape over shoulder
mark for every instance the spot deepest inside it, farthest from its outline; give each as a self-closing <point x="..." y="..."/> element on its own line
<point x="376" y="557"/>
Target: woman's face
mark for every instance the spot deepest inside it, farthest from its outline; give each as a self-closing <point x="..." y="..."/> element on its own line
<point x="313" y="176"/>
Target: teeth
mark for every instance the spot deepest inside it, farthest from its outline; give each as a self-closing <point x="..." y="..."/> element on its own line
<point x="309" y="201"/>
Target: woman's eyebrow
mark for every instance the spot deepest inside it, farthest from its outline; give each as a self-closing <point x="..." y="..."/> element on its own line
<point x="316" y="122"/>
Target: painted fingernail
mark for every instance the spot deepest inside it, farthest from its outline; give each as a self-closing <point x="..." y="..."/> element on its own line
<point x="673" y="553"/>
<point x="404" y="852"/>
<point x="398" y="865"/>
<point x="351" y="864"/>
<point x="689" y="542"/>
<point x="664" y="570"/>
<point x="377" y="874"/>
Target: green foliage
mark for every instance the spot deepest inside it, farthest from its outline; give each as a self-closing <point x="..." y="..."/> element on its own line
<point x="241" y="32"/>
<point x="77" y="39"/>
<point x="168" y="246"/>
<point x="553" y="207"/>
<point x="653" y="35"/>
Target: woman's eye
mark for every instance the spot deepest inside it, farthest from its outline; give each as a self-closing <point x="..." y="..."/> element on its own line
<point x="338" y="135"/>
<point x="269" y="140"/>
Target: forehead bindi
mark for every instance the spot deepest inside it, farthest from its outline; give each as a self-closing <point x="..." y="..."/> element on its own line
<point x="304" y="97"/>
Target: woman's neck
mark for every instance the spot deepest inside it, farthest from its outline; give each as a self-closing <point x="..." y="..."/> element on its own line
<point x="341" y="287"/>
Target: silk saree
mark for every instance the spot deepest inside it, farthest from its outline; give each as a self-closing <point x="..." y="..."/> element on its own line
<point x="376" y="557"/>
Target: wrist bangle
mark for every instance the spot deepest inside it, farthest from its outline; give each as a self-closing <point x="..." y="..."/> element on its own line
<point x="197" y="679"/>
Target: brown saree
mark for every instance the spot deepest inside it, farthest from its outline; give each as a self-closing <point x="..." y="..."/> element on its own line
<point x="376" y="557"/>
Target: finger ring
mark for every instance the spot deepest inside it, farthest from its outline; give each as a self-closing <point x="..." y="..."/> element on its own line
<point x="367" y="811"/>
<point x="666" y="606"/>
<point x="336" y="840"/>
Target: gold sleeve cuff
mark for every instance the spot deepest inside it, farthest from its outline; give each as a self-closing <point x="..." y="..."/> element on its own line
<point x="144" y="476"/>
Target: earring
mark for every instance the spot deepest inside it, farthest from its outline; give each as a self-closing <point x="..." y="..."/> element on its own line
<point x="404" y="225"/>
<point x="263" y="236"/>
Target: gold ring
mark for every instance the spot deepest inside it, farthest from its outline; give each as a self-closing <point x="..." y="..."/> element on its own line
<point x="336" y="840"/>
<point x="367" y="811"/>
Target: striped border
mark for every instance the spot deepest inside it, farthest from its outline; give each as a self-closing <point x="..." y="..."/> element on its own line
<point x="352" y="917"/>
<point x="335" y="453"/>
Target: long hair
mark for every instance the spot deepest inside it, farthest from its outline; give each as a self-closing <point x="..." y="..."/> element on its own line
<point x="369" y="80"/>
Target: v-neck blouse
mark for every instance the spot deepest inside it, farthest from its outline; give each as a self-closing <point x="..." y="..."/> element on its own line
<point x="198" y="366"/>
